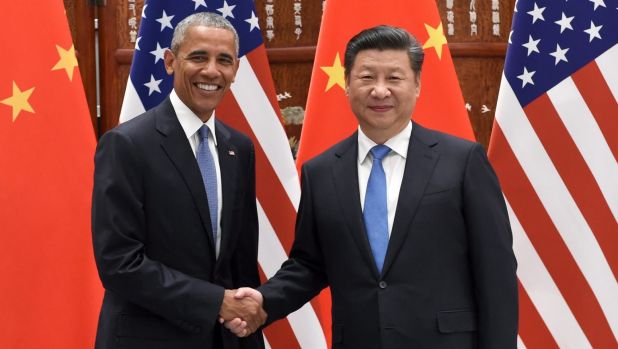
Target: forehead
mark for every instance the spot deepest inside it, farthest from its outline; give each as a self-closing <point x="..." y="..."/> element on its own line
<point x="201" y="37"/>
<point x="382" y="59"/>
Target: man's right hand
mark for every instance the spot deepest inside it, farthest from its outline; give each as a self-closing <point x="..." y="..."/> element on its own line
<point x="240" y="325"/>
<point x="241" y="311"/>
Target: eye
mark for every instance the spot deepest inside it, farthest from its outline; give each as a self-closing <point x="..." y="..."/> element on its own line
<point x="395" y="78"/>
<point x="225" y="61"/>
<point x="197" y="59"/>
<point x="366" y="77"/>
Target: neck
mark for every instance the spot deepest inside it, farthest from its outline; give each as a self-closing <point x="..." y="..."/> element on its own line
<point x="380" y="136"/>
<point x="205" y="117"/>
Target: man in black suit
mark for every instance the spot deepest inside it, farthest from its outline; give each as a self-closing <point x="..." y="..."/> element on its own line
<point x="174" y="214"/>
<point x="406" y="225"/>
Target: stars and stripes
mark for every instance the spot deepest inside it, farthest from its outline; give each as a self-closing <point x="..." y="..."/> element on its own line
<point x="554" y="146"/>
<point x="251" y="107"/>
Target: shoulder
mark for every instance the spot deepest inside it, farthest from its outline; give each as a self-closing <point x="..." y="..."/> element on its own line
<point x="335" y="152"/>
<point x="233" y="136"/>
<point x="138" y="126"/>
<point x="443" y="143"/>
<point x="443" y="140"/>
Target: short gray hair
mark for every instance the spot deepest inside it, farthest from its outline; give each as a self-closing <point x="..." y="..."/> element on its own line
<point x="205" y="19"/>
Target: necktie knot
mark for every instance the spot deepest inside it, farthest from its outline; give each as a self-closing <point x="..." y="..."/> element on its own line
<point x="204" y="132"/>
<point x="379" y="152"/>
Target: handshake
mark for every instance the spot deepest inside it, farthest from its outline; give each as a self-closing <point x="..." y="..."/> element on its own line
<point x="241" y="311"/>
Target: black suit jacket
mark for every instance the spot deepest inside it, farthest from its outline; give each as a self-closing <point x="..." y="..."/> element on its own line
<point x="448" y="279"/>
<point x="153" y="238"/>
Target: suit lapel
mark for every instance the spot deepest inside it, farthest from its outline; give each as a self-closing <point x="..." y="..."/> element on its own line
<point x="228" y="165"/>
<point x="178" y="149"/>
<point x="345" y="173"/>
<point x="420" y="163"/>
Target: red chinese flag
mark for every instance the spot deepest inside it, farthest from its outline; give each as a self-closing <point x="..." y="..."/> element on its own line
<point x="50" y="293"/>
<point x="328" y="117"/>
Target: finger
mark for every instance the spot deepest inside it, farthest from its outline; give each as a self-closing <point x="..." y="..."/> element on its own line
<point x="235" y="324"/>
<point x="240" y="293"/>
<point x="241" y="332"/>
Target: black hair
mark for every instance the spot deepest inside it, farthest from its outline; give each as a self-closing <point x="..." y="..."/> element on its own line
<point x="384" y="37"/>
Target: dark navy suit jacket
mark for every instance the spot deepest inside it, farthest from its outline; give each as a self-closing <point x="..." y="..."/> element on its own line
<point x="153" y="239"/>
<point x="448" y="280"/>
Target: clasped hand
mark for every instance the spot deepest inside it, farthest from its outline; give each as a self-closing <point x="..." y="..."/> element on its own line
<point x="242" y="312"/>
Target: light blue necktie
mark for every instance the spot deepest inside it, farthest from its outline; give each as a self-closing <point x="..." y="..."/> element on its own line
<point x="375" y="213"/>
<point x="209" y="176"/>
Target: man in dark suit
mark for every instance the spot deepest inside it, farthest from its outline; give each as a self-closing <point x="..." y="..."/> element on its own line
<point x="174" y="214"/>
<point x="406" y="225"/>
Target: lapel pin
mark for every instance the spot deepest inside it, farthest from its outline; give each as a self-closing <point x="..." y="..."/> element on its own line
<point x="231" y="152"/>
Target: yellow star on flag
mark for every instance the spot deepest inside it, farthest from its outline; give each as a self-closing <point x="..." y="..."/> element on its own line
<point x="19" y="101"/>
<point x="67" y="61"/>
<point x="335" y="74"/>
<point x="436" y="38"/>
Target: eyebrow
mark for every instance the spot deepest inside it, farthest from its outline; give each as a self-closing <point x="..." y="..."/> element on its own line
<point x="197" y="53"/>
<point x="204" y="53"/>
<point x="225" y="55"/>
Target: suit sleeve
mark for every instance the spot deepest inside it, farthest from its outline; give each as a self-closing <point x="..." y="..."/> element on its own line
<point x="493" y="262"/>
<point x="119" y="236"/>
<point x="302" y="276"/>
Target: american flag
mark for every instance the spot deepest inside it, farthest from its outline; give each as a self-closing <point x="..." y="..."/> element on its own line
<point x="554" y="146"/>
<point x="252" y="108"/>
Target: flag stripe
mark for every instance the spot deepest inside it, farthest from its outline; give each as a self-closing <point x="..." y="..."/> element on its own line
<point x="279" y="333"/>
<point x="270" y="257"/>
<point x="607" y="64"/>
<point x="304" y="321"/>
<point x="270" y="191"/>
<point x="261" y="68"/>
<point x="539" y="296"/>
<point x="589" y="139"/>
<point x="576" y="174"/>
<point x="542" y="233"/>
<point x="532" y="329"/>
<point x="131" y="106"/>
<point x="558" y="204"/>
<point x="520" y="344"/>
<point x="264" y="121"/>
<point x="602" y="103"/>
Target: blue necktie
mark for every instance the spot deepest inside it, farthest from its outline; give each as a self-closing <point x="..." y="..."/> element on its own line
<point x="375" y="213"/>
<point x="209" y="176"/>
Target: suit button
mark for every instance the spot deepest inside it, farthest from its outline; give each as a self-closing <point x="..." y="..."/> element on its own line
<point x="382" y="284"/>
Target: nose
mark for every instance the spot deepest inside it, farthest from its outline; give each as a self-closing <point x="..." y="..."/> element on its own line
<point x="210" y="69"/>
<point x="380" y="90"/>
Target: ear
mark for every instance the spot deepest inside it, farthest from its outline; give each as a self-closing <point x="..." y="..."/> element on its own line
<point x="347" y="86"/>
<point x="168" y="59"/>
<point x="418" y="85"/>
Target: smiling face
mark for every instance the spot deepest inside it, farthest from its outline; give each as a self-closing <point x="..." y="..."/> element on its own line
<point x="382" y="90"/>
<point x="204" y="68"/>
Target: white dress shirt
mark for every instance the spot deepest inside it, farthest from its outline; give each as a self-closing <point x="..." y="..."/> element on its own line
<point x="394" y="164"/>
<point x="191" y="124"/>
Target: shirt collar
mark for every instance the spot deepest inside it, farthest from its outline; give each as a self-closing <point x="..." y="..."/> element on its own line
<point x="190" y="122"/>
<point x="398" y="143"/>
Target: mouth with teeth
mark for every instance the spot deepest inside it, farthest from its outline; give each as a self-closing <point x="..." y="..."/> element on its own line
<point x="207" y="87"/>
